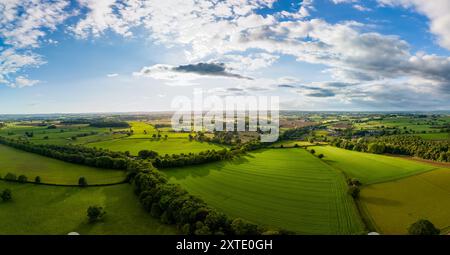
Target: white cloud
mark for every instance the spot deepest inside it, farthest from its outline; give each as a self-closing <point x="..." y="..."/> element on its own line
<point x="438" y="11"/>
<point x="23" y="25"/>
<point x="361" y="8"/>
<point x="111" y="75"/>
<point x="21" y="82"/>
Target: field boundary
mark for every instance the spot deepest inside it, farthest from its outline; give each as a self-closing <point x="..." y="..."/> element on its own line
<point x="65" y="185"/>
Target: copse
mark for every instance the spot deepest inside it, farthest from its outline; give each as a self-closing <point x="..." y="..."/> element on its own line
<point x="400" y="145"/>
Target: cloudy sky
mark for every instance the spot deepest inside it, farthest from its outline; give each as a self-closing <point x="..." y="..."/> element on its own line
<point x="137" y="55"/>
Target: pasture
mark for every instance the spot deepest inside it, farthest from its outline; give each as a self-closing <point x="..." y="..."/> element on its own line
<point x="51" y="170"/>
<point x="394" y="206"/>
<point x="370" y="168"/>
<point x="162" y="146"/>
<point x="287" y="188"/>
<point x="38" y="209"/>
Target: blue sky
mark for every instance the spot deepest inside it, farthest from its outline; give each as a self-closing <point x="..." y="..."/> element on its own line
<point x="136" y="55"/>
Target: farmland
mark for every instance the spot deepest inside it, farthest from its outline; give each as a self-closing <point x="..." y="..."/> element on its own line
<point x="38" y="209"/>
<point x="51" y="170"/>
<point x="394" y="206"/>
<point x="162" y="146"/>
<point x="370" y="168"/>
<point x="288" y="188"/>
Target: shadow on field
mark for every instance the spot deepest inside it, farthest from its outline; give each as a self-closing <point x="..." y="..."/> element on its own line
<point x="381" y="201"/>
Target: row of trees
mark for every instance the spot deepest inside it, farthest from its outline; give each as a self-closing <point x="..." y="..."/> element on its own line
<point x="74" y="154"/>
<point x="402" y="145"/>
<point x="179" y="160"/>
<point x="173" y="205"/>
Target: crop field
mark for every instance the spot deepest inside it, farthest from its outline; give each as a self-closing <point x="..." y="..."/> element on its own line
<point x="51" y="170"/>
<point x="370" y="168"/>
<point x="38" y="209"/>
<point x="394" y="206"/>
<point x="288" y="188"/>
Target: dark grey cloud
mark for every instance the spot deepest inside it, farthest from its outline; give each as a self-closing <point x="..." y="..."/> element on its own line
<point x="214" y="69"/>
<point x="321" y="93"/>
<point x="316" y="91"/>
<point x="289" y="86"/>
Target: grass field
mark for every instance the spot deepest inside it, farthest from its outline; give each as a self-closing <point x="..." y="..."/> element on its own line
<point x="162" y="146"/>
<point x="435" y="136"/>
<point x="394" y="206"/>
<point x="37" y="209"/>
<point x="52" y="170"/>
<point x="286" y="188"/>
<point x="370" y="168"/>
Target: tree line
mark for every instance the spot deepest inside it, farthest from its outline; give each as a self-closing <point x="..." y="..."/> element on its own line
<point x="73" y="154"/>
<point x="174" y="205"/>
<point x="170" y="203"/>
<point x="401" y="145"/>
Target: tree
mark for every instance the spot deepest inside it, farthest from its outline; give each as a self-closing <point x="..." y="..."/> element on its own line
<point x="144" y="154"/>
<point x="10" y="177"/>
<point x="82" y="181"/>
<point x="95" y="213"/>
<point x="242" y="227"/>
<point x="37" y="179"/>
<point x="312" y="151"/>
<point x="320" y="155"/>
<point x="6" y="195"/>
<point x="423" y="227"/>
<point x="354" y="191"/>
<point x="22" y="178"/>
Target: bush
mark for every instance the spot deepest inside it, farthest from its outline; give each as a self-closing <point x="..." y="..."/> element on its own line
<point x="37" y="179"/>
<point x="353" y="182"/>
<point x="10" y="177"/>
<point x="6" y="195"/>
<point x="423" y="227"/>
<point x="82" y="181"/>
<point x="22" y="178"/>
<point x="354" y="191"/>
<point x="320" y="156"/>
<point x="95" y="213"/>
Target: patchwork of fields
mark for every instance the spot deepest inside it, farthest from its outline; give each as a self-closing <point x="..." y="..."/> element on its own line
<point x="394" y="206"/>
<point x="38" y="209"/>
<point x="370" y="168"/>
<point x="51" y="170"/>
<point x="288" y="188"/>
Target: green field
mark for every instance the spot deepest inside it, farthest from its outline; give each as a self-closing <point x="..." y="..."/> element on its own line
<point x="286" y="188"/>
<point x="52" y="170"/>
<point x="162" y="146"/>
<point x="394" y="206"/>
<point x="435" y="136"/>
<point x="38" y="209"/>
<point x="370" y="168"/>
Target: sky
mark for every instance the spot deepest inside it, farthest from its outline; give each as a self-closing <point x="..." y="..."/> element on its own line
<point x="81" y="56"/>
